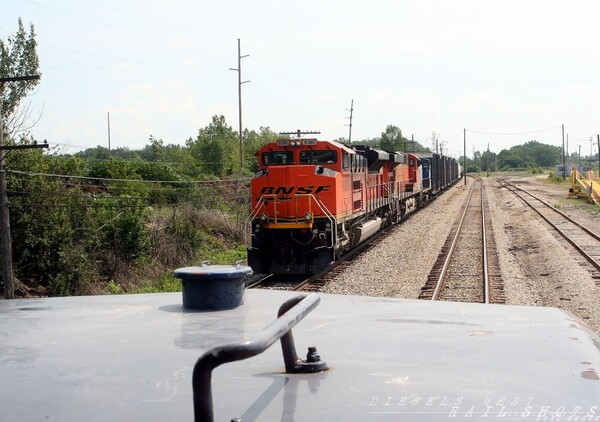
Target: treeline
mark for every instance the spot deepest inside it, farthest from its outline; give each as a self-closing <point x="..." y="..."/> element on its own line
<point x="529" y="156"/>
<point x="122" y="220"/>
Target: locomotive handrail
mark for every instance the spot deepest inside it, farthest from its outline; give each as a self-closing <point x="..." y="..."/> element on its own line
<point x="331" y="219"/>
<point x="289" y="314"/>
<point x="253" y="214"/>
<point x="318" y="202"/>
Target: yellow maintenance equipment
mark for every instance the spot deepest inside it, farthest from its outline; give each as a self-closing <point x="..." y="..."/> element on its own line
<point x="585" y="187"/>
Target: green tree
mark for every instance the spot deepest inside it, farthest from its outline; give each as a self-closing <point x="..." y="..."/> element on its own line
<point x="253" y="141"/>
<point x="18" y="57"/>
<point x="217" y="147"/>
<point x="392" y="140"/>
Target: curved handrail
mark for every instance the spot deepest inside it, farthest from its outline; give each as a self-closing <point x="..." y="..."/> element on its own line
<point x="290" y="313"/>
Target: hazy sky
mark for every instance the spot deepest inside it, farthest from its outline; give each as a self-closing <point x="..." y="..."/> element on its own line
<point x="507" y="71"/>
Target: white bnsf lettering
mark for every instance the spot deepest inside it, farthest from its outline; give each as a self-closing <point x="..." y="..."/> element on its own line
<point x="289" y="190"/>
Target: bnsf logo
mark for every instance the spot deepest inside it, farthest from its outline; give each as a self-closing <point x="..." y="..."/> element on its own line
<point x="272" y="190"/>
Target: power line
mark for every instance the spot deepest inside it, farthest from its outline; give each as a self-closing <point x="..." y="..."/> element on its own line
<point x="124" y="29"/>
<point x="26" y="173"/>
<point x="588" y="133"/>
<point x="132" y="72"/>
<point x="131" y="61"/>
<point x="513" y="133"/>
<point x="160" y="21"/>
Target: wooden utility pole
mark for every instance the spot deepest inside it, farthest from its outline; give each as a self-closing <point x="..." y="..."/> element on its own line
<point x="465" y="154"/>
<point x="7" y="272"/>
<point x="350" y="119"/>
<point x="563" y="152"/>
<point x="487" y="161"/>
<point x="239" y="71"/>
<point x="108" y="122"/>
<point x="6" y="243"/>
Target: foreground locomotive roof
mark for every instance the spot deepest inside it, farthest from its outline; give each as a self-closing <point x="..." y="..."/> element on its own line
<point x="130" y="357"/>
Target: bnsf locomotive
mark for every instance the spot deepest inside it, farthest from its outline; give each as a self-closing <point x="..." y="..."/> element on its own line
<point x="313" y="200"/>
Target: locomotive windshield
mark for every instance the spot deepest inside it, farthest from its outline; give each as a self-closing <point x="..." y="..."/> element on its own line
<point x="277" y="158"/>
<point x="318" y="157"/>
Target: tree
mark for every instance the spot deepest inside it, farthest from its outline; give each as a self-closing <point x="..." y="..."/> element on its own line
<point x="253" y="141"/>
<point x="217" y="147"/>
<point x="392" y="140"/>
<point x="18" y="57"/>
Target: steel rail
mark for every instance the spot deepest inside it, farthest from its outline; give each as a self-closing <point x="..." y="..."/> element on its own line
<point x="585" y="229"/>
<point x="438" y="286"/>
<point x="486" y="279"/>
<point x="578" y="248"/>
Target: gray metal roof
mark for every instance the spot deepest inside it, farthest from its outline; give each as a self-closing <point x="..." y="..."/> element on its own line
<point x="130" y="357"/>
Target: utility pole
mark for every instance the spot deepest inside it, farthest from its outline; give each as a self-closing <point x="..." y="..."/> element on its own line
<point x="239" y="71"/>
<point x="350" y="124"/>
<point x="412" y="139"/>
<point x="563" y="151"/>
<point x="568" y="156"/>
<point x="487" y="161"/>
<point x="7" y="272"/>
<point x="579" y="155"/>
<point x="465" y="155"/>
<point x="108" y="121"/>
<point x="6" y="243"/>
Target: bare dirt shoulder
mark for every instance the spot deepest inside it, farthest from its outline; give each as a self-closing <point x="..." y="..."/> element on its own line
<point x="539" y="268"/>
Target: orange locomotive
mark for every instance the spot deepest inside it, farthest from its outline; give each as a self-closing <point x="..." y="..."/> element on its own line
<point x="315" y="200"/>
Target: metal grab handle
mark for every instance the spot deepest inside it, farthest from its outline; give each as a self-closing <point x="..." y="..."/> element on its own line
<point x="290" y="313"/>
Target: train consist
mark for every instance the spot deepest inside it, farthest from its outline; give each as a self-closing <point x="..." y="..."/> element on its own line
<point x="315" y="200"/>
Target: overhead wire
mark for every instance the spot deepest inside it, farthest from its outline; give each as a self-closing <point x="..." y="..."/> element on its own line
<point x="179" y="44"/>
<point x="513" y="133"/>
<point x="160" y="21"/>
<point x="128" y="180"/>
<point x="133" y="72"/>
<point x="131" y="61"/>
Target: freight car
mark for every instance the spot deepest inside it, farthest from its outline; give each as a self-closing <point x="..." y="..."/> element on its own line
<point x="315" y="200"/>
<point x="439" y="172"/>
<point x="145" y="357"/>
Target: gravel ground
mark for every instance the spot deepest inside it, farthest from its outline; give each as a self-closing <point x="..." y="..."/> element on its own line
<point x="538" y="267"/>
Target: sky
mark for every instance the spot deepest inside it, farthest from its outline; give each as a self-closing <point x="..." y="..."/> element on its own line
<point x="505" y="71"/>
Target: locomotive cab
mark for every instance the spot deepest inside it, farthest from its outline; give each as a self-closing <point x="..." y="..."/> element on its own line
<point x="301" y="192"/>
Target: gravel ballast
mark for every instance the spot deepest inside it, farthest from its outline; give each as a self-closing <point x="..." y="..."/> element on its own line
<point x="538" y="267"/>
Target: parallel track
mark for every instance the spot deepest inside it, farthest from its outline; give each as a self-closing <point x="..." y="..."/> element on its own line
<point x="583" y="240"/>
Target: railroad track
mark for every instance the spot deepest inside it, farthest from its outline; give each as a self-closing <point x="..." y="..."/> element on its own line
<point x="277" y="282"/>
<point x="315" y="282"/>
<point x="584" y="241"/>
<point x="467" y="268"/>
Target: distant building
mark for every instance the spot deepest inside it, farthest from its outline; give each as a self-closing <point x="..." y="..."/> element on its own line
<point x="582" y="169"/>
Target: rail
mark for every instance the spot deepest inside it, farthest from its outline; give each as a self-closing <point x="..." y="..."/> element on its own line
<point x="575" y="245"/>
<point x="448" y="257"/>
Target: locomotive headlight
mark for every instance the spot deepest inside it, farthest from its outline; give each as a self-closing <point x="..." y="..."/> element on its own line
<point x="308" y="216"/>
<point x="264" y="218"/>
<point x="315" y="231"/>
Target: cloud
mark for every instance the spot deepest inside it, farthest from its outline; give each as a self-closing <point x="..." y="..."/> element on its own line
<point x="488" y="101"/>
